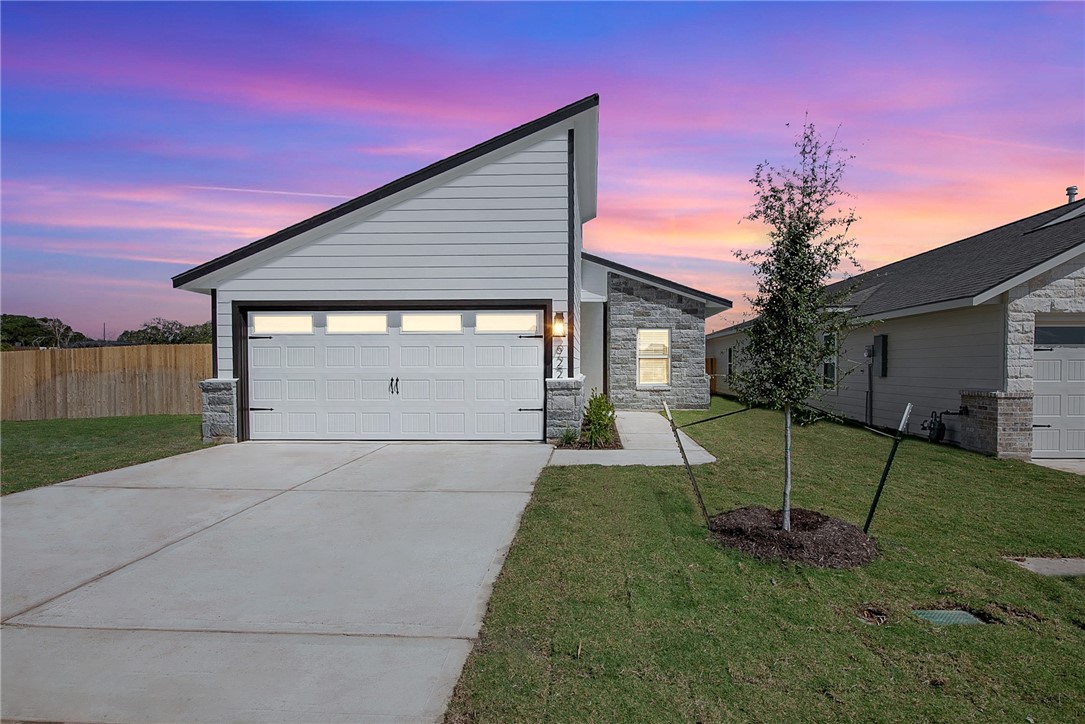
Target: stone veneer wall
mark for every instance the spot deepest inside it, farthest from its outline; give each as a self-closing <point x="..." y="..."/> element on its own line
<point x="1060" y="290"/>
<point x="564" y="405"/>
<point x="633" y="305"/>
<point x="219" y="410"/>
<point x="998" y="423"/>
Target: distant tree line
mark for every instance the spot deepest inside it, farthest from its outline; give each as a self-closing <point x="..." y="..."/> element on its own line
<point x="17" y="330"/>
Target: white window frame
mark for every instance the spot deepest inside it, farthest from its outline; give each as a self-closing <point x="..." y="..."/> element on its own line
<point x="341" y="315"/>
<point x="256" y="317"/>
<point x="667" y="357"/>
<point x="407" y="315"/>
<point x="533" y="330"/>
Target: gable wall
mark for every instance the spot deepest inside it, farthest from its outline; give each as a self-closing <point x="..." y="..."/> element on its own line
<point x="498" y="232"/>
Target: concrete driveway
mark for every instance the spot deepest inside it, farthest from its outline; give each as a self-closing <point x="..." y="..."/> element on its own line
<point x="301" y="582"/>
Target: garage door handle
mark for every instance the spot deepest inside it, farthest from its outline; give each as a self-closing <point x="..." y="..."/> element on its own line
<point x="397" y="385"/>
<point x="1041" y="426"/>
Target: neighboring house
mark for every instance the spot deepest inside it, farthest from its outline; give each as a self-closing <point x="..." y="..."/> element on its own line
<point x="994" y="323"/>
<point x="455" y="303"/>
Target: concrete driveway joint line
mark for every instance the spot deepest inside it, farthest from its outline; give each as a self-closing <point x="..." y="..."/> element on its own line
<point x="173" y="542"/>
<point x="646" y="440"/>
<point x="344" y="593"/>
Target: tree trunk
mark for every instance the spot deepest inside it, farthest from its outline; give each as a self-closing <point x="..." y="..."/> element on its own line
<point x="787" y="468"/>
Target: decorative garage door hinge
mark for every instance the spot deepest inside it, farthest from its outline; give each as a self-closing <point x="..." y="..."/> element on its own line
<point x="261" y="409"/>
<point x="529" y="409"/>
<point x="532" y="336"/>
<point x="264" y="337"/>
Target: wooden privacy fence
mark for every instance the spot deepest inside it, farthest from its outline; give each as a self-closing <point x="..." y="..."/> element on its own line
<point x="161" y="379"/>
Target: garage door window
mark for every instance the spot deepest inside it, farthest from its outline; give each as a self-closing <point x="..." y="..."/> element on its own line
<point x="434" y="323"/>
<point x="521" y="323"/>
<point x="282" y="323"/>
<point x="653" y="357"/>
<point x="357" y="324"/>
<point x="1060" y="335"/>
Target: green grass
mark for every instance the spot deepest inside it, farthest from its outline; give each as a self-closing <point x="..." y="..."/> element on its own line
<point x="614" y="605"/>
<point x="44" y="452"/>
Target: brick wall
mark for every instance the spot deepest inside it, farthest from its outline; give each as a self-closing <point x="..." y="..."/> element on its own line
<point x="634" y="305"/>
<point x="998" y="423"/>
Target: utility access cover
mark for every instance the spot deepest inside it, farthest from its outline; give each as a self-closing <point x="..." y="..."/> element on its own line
<point x="948" y="618"/>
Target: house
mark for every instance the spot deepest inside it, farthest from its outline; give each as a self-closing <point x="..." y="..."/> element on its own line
<point x="989" y="329"/>
<point x="455" y="303"/>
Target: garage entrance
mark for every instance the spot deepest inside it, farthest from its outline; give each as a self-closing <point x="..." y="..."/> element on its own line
<point x="396" y="375"/>
<point x="1059" y="392"/>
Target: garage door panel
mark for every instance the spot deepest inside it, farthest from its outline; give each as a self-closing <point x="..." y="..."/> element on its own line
<point x="374" y="356"/>
<point x="1058" y="403"/>
<point x="394" y="385"/>
<point x="449" y="356"/>
<point x="449" y="390"/>
<point x="341" y="356"/>
<point x="525" y="356"/>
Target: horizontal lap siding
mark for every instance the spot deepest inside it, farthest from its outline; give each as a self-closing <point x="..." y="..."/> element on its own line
<point x="498" y="232"/>
<point x="932" y="357"/>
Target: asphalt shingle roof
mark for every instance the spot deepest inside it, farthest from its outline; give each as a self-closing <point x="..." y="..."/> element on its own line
<point x="969" y="267"/>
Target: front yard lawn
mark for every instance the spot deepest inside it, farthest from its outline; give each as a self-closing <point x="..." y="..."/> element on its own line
<point x="614" y="604"/>
<point x="43" y="452"/>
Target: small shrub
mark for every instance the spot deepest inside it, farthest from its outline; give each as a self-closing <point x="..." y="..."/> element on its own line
<point x="568" y="437"/>
<point x="598" y="420"/>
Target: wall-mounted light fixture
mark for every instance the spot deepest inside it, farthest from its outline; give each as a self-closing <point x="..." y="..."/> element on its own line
<point x="558" y="328"/>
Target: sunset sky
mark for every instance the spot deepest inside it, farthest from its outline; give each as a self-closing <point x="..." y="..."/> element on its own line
<point x="140" y="139"/>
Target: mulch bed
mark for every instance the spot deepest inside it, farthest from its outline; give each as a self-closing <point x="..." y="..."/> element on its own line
<point x="582" y="444"/>
<point x="814" y="539"/>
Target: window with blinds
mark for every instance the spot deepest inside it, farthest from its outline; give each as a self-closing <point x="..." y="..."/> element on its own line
<point x="653" y="357"/>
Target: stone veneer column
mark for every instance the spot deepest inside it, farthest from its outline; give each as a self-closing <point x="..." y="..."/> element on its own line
<point x="564" y="405"/>
<point x="219" y="410"/>
<point x="1057" y="291"/>
<point x="998" y="423"/>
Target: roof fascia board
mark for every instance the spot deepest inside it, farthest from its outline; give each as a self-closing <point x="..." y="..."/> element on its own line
<point x="1028" y="274"/>
<point x="710" y="300"/>
<point x="561" y="118"/>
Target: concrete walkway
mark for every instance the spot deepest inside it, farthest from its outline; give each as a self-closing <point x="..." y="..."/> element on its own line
<point x="260" y="582"/>
<point x="646" y="439"/>
<point x="1067" y="466"/>
<point x="1052" y="566"/>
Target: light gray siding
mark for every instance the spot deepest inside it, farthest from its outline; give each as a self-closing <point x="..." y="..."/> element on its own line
<point x="499" y="231"/>
<point x="932" y="357"/>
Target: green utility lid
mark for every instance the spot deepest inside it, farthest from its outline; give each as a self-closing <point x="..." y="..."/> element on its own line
<point x="948" y="618"/>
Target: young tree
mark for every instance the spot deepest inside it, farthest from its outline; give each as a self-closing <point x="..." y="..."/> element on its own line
<point x="798" y="318"/>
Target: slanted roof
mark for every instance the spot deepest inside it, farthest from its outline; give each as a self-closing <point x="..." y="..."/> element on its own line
<point x="587" y="164"/>
<point x="973" y="269"/>
<point x="967" y="272"/>
<point x="714" y="303"/>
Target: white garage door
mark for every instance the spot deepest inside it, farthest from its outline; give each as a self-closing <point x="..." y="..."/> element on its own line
<point x="406" y="375"/>
<point x="1059" y="393"/>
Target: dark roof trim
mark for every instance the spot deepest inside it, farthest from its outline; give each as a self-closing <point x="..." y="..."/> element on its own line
<point x="658" y="281"/>
<point x="411" y="179"/>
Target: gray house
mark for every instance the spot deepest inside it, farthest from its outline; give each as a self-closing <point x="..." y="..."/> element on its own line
<point x="455" y="303"/>
<point x="992" y="326"/>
